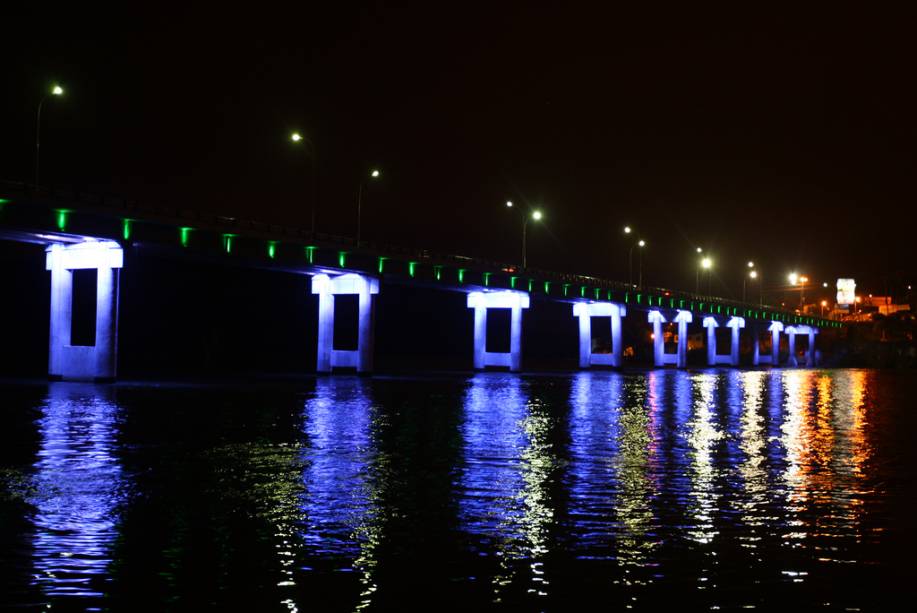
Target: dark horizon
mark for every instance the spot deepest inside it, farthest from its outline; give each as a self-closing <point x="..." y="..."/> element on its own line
<point x="697" y="130"/>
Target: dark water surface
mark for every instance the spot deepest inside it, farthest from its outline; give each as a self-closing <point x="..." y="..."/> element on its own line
<point x="706" y="490"/>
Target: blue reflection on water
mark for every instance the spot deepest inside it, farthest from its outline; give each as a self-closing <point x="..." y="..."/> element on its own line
<point x="78" y="487"/>
<point x="339" y="504"/>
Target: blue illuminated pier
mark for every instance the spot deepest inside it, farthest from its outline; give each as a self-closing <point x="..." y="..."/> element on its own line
<point x="83" y="232"/>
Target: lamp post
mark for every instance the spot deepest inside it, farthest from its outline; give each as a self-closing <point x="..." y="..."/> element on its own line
<point x="630" y="257"/>
<point x="297" y="137"/>
<point x="800" y="280"/>
<point x="536" y="216"/>
<point x="56" y="90"/>
<point x="707" y="264"/>
<point x="375" y="173"/>
<point x="641" y="243"/>
<point x="752" y="274"/>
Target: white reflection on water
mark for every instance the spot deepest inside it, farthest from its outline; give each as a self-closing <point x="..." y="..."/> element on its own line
<point x="753" y="465"/>
<point x="77" y="490"/>
<point x="703" y="435"/>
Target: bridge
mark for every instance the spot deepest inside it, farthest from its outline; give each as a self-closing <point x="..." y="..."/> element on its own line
<point x="92" y="232"/>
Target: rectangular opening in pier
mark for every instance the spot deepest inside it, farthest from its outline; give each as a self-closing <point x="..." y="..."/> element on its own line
<point x="601" y="334"/>
<point x="346" y="321"/>
<point x="723" y="340"/>
<point x="83" y="308"/>
<point x="498" y="332"/>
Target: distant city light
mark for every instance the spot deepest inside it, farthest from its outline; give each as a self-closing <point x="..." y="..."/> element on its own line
<point x="699" y="250"/>
<point x="706" y="263"/>
<point x="751" y="264"/>
<point x="793" y="278"/>
<point x="642" y="243"/>
<point x="627" y="230"/>
<point x="825" y="284"/>
<point x="536" y="215"/>
<point x="509" y="203"/>
<point x="753" y="274"/>
<point x="824" y="303"/>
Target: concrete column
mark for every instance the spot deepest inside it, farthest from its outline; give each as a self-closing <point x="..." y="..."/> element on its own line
<point x="325" y="330"/>
<point x="480" y="336"/>
<point x="616" y="343"/>
<point x="791" y="333"/>
<point x="77" y="362"/>
<point x="810" y="354"/>
<point x="585" y="337"/>
<point x="711" y="325"/>
<point x="515" y="338"/>
<point x="327" y="287"/>
<point x="585" y="311"/>
<point x="776" y="328"/>
<point x="657" y="319"/>
<point x="736" y="324"/>
<point x="755" y="348"/>
<point x="507" y="299"/>
<point x="683" y="318"/>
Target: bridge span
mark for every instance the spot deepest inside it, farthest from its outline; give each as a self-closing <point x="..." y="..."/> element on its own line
<point x="91" y="232"/>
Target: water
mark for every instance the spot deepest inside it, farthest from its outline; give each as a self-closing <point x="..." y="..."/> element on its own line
<point x="707" y="490"/>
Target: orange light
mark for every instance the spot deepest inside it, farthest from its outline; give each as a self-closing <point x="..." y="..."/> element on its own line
<point x="859" y="299"/>
<point x="824" y="303"/>
<point x="803" y="279"/>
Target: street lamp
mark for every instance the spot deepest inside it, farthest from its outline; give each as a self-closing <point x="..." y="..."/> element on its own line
<point x="375" y="173"/>
<point x="706" y="264"/>
<point x="752" y="274"/>
<point x="630" y="257"/>
<point x="641" y="243"/>
<point x="56" y="90"/>
<point x="824" y="303"/>
<point x="297" y="137"/>
<point x="509" y="204"/>
<point x="536" y="216"/>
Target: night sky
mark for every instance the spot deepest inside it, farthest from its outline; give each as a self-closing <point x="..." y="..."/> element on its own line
<point x="781" y="137"/>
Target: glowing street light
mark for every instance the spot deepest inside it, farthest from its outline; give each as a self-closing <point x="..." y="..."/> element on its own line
<point x="699" y="250"/>
<point x="298" y="137"/>
<point x="627" y="230"/>
<point x="792" y="278"/>
<point x="374" y="173"/>
<point x="509" y="204"/>
<point x="751" y="264"/>
<point x="58" y="91"/>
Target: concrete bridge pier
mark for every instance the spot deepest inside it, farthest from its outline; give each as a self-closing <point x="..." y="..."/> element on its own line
<point x="98" y="361"/>
<point x="508" y="299"/>
<point x="713" y="358"/>
<point x="660" y="357"/>
<point x="586" y="311"/>
<point x="775" y="329"/>
<point x="327" y="288"/>
<point x="792" y="331"/>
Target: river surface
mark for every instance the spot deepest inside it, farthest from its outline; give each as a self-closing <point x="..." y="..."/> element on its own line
<point x="702" y="490"/>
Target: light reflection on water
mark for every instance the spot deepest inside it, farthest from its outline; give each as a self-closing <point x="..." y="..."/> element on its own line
<point x="714" y="488"/>
<point x="76" y="492"/>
